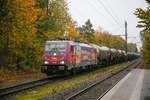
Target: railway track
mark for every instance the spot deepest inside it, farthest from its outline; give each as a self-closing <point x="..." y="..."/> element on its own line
<point x="25" y="86"/>
<point x="28" y="85"/>
<point x="91" y="92"/>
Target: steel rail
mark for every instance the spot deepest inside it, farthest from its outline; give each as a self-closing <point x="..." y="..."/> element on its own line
<point x="101" y="96"/>
<point x="40" y="82"/>
<point x="135" y="63"/>
<point x="25" y="86"/>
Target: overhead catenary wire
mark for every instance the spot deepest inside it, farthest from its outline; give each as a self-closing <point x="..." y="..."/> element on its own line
<point x="112" y="10"/>
<point x="116" y="16"/>
<point x="101" y="3"/>
<point x="95" y="8"/>
<point x="118" y="29"/>
<point x="106" y="9"/>
<point x="98" y="11"/>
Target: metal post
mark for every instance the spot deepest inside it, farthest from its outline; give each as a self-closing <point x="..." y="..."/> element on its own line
<point x="126" y="37"/>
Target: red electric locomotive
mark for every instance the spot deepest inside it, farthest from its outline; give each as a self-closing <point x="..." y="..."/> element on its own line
<point x="62" y="56"/>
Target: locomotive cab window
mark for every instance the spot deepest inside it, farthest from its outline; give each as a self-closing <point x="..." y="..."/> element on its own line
<point x="58" y="48"/>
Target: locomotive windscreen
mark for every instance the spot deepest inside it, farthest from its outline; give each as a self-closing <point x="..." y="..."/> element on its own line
<point x="55" y="48"/>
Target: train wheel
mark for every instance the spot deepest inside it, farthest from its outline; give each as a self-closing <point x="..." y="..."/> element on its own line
<point x="73" y="71"/>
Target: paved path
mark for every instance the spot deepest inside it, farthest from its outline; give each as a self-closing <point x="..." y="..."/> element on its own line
<point x="134" y="86"/>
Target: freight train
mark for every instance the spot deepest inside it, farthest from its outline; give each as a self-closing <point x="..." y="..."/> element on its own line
<point x="70" y="56"/>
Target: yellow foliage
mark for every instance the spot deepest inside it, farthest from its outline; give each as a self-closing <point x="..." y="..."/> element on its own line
<point x="73" y="33"/>
<point x="106" y="39"/>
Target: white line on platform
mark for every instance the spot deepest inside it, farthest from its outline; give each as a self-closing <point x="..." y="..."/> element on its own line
<point x="138" y="87"/>
<point x="114" y="89"/>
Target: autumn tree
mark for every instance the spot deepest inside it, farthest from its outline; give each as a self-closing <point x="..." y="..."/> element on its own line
<point x="72" y="33"/>
<point x="107" y="39"/>
<point x="24" y="28"/>
<point x="88" y="31"/>
<point x="53" y="24"/>
<point x="132" y="47"/>
<point x="18" y="32"/>
<point x="144" y="23"/>
<point x="97" y="38"/>
<point x="25" y="25"/>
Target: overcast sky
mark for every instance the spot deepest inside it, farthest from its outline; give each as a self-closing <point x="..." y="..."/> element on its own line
<point x="108" y="14"/>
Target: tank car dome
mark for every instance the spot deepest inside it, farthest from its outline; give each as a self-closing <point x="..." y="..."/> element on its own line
<point x="104" y="48"/>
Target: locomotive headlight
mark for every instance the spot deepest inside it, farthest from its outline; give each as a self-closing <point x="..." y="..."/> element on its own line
<point x="46" y="62"/>
<point x="62" y="62"/>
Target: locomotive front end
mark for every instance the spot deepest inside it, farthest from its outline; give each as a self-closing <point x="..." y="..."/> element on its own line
<point x="54" y="58"/>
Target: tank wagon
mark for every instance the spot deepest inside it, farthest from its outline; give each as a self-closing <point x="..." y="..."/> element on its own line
<point x="69" y="56"/>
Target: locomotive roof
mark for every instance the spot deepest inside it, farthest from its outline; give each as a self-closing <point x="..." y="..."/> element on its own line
<point x="62" y="41"/>
<point x="71" y="42"/>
